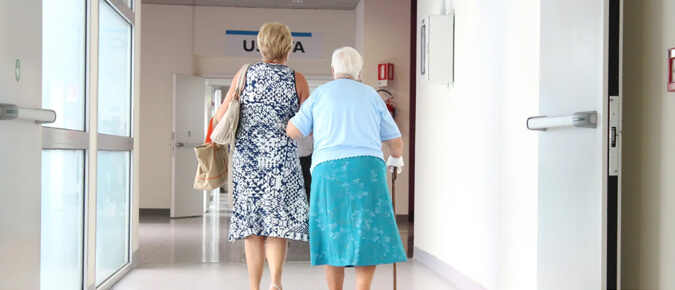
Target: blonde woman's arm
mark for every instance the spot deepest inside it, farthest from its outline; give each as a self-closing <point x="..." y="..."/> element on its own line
<point x="228" y="98"/>
<point x="301" y="87"/>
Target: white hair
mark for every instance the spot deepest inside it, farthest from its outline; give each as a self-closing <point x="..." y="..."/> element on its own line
<point x="347" y="62"/>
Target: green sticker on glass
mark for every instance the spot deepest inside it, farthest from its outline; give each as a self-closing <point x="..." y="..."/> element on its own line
<point x="17" y="70"/>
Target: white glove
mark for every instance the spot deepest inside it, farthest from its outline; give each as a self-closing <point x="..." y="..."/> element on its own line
<point x="395" y="163"/>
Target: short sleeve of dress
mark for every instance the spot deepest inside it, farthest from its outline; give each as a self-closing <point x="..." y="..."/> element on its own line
<point x="304" y="120"/>
<point x="388" y="128"/>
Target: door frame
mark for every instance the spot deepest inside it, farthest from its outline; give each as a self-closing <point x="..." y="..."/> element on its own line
<point x="613" y="119"/>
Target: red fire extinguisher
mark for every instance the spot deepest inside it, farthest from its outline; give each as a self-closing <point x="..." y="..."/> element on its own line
<point x="390" y="102"/>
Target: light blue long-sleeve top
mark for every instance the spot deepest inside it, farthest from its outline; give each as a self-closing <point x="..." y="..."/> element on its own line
<point x="348" y="119"/>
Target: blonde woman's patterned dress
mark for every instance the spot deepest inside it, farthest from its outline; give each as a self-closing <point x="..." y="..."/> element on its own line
<point x="269" y="193"/>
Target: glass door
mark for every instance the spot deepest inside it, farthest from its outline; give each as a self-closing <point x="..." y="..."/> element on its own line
<point x="65" y="143"/>
<point x="87" y="157"/>
<point x="115" y="139"/>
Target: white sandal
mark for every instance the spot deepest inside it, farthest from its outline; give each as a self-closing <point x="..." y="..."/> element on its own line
<point x="275" y="286"/>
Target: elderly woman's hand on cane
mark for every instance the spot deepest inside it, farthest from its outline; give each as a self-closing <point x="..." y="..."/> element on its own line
<point x="395" y="162"/>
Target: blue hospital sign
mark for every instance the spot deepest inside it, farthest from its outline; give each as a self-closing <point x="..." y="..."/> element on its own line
<point x="243" y="43"/>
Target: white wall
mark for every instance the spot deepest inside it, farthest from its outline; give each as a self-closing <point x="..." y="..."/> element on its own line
<point x="358" y="41"/>
<point x="20" y="145"/>
<point x="648" y="231"/>
<point x="386" y="38"/>
<point x="168" y="47"/>
<point x="476" y="166"/>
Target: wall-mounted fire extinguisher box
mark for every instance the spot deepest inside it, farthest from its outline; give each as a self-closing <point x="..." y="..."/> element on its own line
<point x="385" y="73"/>
<point x="671" y="70"/>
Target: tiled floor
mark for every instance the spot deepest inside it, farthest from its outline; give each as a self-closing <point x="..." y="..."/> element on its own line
<point x="193" y="253"/>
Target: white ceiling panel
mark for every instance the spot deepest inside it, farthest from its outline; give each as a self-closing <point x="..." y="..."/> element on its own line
<point x="292" y="4"/>
<point x="169" y="2"/>
<point x="257" y="3"/>
<point x="352" y="2"/>
<point x="338" y="4"/>
<point x="223" y="3"/>
<point x="335" y="6"/>
<point x="297" y="4"/>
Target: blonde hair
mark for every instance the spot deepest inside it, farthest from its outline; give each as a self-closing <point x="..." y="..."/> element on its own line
<point x="347" y="62"/>
<point x="274" y="41"/>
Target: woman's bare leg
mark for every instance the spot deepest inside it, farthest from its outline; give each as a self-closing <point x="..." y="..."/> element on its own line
<point x="254" y="246"/>
<point x="364" y="277"/>
<point x="335" y="276"/>
<point x="276" y="256"/>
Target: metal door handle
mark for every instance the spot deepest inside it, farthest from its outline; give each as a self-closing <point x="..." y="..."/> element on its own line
<point x="40" y="116"/>
<point x="181" y="144"/>
<point x="579" y="119"/>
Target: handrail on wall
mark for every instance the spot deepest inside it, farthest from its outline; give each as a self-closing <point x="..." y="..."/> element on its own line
<point x="579" y="119"/>
<point x="40" y="116"/>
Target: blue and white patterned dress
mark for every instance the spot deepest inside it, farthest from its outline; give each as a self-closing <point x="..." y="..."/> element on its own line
<point x="269" y="193"/>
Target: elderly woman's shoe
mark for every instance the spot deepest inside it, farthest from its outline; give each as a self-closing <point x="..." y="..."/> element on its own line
<point x="275" y="287"/>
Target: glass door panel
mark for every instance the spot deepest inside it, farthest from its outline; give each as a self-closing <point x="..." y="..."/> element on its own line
<point x="62" y="229"/>
<point x="112" y="213"/>
<point x="63" y="62"/>
<point x="63" y="171"/>
<point x="114" y="93"/>
<point x="114" y="154"/>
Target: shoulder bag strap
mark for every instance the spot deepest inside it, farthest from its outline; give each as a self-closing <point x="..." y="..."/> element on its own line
<point x="241" y="80"/>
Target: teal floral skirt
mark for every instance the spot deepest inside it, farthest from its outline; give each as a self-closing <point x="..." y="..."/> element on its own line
<point x="351" y="219"/>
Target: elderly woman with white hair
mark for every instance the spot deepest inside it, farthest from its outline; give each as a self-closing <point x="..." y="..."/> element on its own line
<point x="351" y="220"/>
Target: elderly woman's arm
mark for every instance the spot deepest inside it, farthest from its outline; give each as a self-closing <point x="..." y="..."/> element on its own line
<point x="293" y="131"/>
<point x="395" y="147"/>
<point x="302" y="88"/>
<point x="302" y="121"/>
<point x="395" y="160"/>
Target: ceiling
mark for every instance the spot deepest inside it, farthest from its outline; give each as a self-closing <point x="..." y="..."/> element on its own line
<point x="286" y="4"/>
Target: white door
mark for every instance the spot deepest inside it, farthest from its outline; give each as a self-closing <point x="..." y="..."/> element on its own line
<point x="573" y="238"/>
<point x="20" y="144"/>
<point x="214" y="199"/>
<point x="189" y="117"/>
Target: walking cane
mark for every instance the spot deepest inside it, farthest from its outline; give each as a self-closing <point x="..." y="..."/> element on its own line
<point x="393" y="201"/>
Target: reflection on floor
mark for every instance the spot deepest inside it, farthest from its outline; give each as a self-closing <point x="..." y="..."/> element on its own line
<point x="193" y="253"/>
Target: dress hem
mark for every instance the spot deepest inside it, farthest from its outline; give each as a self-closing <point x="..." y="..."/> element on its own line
<point x="359" y="264"/>
<point x="291" y="236"/>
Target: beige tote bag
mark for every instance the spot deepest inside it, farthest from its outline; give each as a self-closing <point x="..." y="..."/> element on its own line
<point x="212" y="169"/>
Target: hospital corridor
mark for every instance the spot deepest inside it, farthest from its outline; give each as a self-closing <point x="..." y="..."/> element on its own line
<point x="337" y="144"/>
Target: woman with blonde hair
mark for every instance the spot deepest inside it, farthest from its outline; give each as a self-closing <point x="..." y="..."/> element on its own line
<point x="351" y="219"/>
<point x="270" y="205"/>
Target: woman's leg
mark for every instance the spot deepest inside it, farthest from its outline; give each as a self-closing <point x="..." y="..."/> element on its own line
<point x="254" y="246"/>
<point x="335" y="277"/>
<point x="276" y="256"/>
<point x="364" y="277"/>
